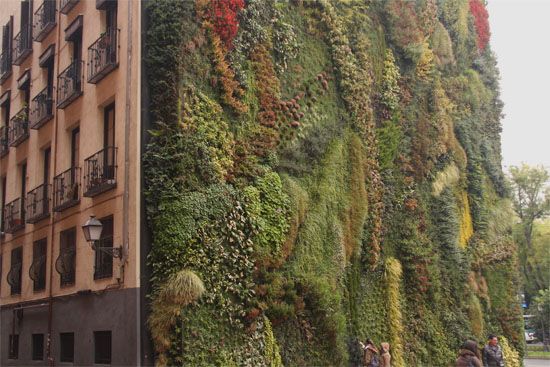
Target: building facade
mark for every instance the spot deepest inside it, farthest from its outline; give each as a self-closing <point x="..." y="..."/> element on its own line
<point x="69" y="150"/>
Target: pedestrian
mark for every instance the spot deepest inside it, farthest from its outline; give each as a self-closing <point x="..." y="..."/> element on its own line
<point x="492" y="353"/>
<point x="385" y="356"/>
<point x="468" y="356"/>
<point x="371" y="356"/>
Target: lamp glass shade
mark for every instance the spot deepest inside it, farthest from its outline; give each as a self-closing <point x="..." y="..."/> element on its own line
<point x="92" y="229"/>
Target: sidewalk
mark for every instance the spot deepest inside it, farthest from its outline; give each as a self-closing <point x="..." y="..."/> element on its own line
<point x="536" y="362"/>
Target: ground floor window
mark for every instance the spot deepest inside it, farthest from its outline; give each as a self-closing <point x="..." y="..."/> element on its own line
<point x="13" y="347"/>
<point x="102" y="347"/>
<point x="37" y="347"/>
<point x="66" y="343"/>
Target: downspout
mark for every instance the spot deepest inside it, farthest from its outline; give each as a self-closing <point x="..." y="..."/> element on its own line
<point x="52" y="219"/>
<point x="126" y="196"/>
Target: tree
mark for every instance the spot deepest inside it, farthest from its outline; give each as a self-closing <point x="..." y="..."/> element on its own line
<point x="531" y="196"/>
<point x="531" y="200"/>
<point x="540" y="309"/>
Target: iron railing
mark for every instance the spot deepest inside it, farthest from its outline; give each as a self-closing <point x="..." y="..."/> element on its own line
<point x="41" y="109"/>
<point x="100" y="172"/>
<point x="37" y="272"/>
<point x="38" y="203"/>
<point x="5" y="65"/>
<point x="103" y="267"/>
<point x="103" y="56"/>
<point x="22" y="45"/>
<point x="14" y="277"/>
<point x="65" y="265"/>
<point x="44" y="20"/>
<point x="14" y="215"/>
<point x="66" y="6"/>
<point x="19" y="127"/>
<point x="66" y="188"/>
<point x="69" y="84"/>
<point x="4" y="146"/>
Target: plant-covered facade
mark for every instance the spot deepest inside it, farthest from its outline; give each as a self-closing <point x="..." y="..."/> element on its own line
<point x="320" y="172"/>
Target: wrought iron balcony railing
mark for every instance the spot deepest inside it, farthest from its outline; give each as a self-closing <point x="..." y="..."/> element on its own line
<point x="5" y="65"/>
<point x="44" y="20"/>
<point x="19" y="127"/>
<point x="14" y="277"/>
<point x="4" y="146"/>
<point x="100" y="172"/>
<point x="38" y="203"/>
<point x="66" y="189"/>
<point x="14" y="215"/>
<point x="22" y="45"/>
<point x="66" y="6"/>
<point x="65" y="265"/>
<point x="37" y="272"/>
<point x="69" y="84"/>
<point x="103" y="56"/>
<point x="41" y="109"/>
<point x="103" y="267"/>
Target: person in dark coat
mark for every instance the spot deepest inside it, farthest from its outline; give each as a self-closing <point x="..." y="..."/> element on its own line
<point x="492" y="353"/>
<point x="468" y="356"/>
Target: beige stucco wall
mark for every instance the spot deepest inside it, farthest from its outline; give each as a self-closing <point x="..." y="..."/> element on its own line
<point x="86" y="112"/>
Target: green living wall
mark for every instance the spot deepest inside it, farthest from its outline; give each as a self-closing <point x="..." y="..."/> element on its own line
<point x="320" y="172"/>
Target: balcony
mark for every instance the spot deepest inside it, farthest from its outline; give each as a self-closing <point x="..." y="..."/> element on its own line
<point x="66" y="6"/>
<point x="100" y="172"/>
<point x="22" y="45"/>
<point x="14" y="215"/>
<point x="65" y="265"/>
<point x="41" y="109"/>
<point x="5" y="65"/>
<point x="44" y="20"/>
<point x="14" y="278"/>
<point x="69" y="84"/>
<point x="19" y="128"/>
<point x="66" y="189"/>
<point x="4" y="146"/>
<point x="38" y="203"/>
<point x="103" y="56"/>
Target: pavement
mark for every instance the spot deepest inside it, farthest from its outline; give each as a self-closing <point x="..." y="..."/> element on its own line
<point x="536" y="362"/>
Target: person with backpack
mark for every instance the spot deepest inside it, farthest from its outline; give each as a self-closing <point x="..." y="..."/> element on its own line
<point x="371" y="356"/>
<point x="468" y="356"/>
<point x="385" y="356"/>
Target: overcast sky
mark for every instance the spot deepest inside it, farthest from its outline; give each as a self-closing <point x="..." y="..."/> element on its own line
<point x="520" y="36"/>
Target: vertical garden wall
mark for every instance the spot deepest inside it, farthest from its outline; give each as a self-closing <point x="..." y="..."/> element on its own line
<point x="320" y="172"/>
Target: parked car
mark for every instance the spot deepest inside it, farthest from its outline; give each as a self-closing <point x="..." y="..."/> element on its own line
<point x="530" y="335"/>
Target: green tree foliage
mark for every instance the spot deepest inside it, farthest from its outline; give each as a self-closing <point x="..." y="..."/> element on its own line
<point x="531" y="200"/>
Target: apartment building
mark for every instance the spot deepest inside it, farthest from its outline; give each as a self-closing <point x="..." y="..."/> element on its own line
<point x="70" y="150"/>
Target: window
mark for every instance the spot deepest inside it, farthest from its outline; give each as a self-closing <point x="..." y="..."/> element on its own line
<point x="65" y="263"/>
<point x="102" y="347"/>
<point x="75" y="146"/>
<point x="109" y="126"/>
<point x="37" y="272"/>
<point x="23" y="190"/>
<point x="5" y="58"/>
<point x="14" y="276"/>
<point x="66" y="347"/>
<point x="3" y="204"/>
<point x="104" y="261"/>
<point x="13" y="347"/>
<point x="37" y="347"/>
<point x="46" y="170"/>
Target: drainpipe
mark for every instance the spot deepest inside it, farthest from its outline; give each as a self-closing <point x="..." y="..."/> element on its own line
<point x="51" y="361"/>
<point x="126" y="197"/>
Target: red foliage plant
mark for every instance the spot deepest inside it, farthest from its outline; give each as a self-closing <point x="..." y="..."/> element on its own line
<point x="481" y="22"/>
<point x="224" y="17"/>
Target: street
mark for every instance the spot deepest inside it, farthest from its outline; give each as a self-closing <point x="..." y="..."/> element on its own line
<point x="537" y="362"/>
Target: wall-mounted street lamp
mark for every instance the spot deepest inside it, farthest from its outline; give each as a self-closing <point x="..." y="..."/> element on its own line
<point x="92" y="232"/>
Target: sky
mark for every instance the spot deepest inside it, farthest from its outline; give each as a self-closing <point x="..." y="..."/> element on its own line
<point x="520" y="37"/>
